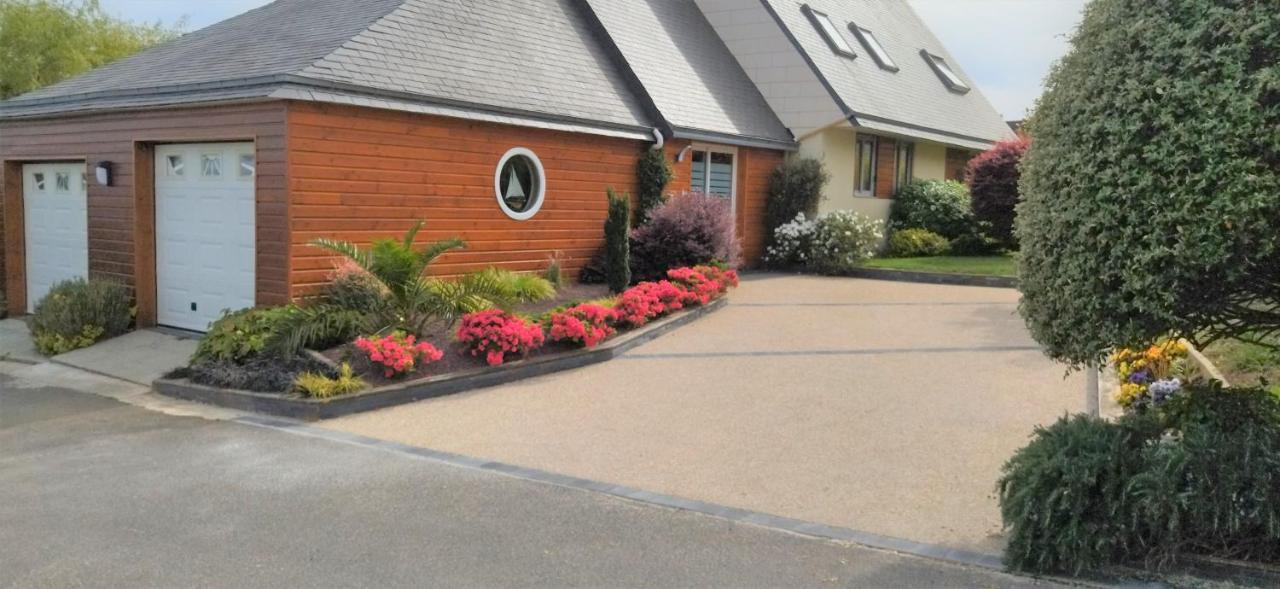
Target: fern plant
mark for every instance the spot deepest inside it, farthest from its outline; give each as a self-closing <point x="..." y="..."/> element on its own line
<point x="414" y="300"/>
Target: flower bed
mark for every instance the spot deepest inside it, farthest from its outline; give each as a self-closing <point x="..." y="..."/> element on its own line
<point x="485" y="342"/>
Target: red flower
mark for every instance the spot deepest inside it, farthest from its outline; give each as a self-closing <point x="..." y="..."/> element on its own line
<point x="584" y="324"/>
<point x="397" y="353"/>
<point x="496" y="333"/>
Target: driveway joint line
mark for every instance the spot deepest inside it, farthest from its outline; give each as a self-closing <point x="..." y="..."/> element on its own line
<point x="885" y="304"/>
<point x="849" y="352"/>
<point x="724" y="512"/>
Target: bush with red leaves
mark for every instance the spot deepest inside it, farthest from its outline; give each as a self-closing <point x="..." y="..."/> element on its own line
<point x="992" y="177"/>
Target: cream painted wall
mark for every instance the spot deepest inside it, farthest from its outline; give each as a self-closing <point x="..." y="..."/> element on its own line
<point x="931" y="161"/>
<point x="836" y="148"/>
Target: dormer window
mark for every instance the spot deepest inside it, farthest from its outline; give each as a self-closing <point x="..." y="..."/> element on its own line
<point x="830" y="32"/>
<point x="944" y="71"/>
<point x="873" y="47"/>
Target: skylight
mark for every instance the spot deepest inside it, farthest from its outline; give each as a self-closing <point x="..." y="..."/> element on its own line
<point x="874" y="47"/>
<point x="830" y="32"/>
<point x="949" y="77"/>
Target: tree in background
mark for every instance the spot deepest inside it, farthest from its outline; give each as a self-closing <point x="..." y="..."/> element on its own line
<point x="1151" y="192"/>
<point x="43" y="42"/>
<point x="794" y="187"/>
<point x="653" y="173"/>
<point x="993" y="188"/>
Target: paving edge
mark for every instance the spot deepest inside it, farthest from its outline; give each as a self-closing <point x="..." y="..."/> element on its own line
<point x="934" y="277"/>
<point x="436" y="386"/>
<point x="801" y="527"/>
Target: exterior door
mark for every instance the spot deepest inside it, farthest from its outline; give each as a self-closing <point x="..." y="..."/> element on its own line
<point x="205" y="238"/>
<point x="56" y="219"/>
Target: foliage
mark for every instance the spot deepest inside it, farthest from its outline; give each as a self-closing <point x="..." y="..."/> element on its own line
<point x="554" y="274"/>
<point x="653" y="173"/>
<point x="1137" y="220"/>
<point x="648" y="300"/>
<point x="239" y="336"/>
<point x="496" y="333"/>
<point x="617" y="243"/>
<point x="1061" y="496"/>
<point x="834" y="243"/>
<point x="795" y="187"/>
<point x="595" y="272"/>
<point x="77" y="313"/>
<point x="1151" y="376"/>
<point x="319" y="386"/>
<point x="981" y="266"/>
<point x="687" y="230"/>
<point x="700" y="284"/>
<point x="351" y="287"/>
<point x="940" y="206"/>
<point x="264" y="373"/>
<point x="975" y="242"/>
<point x="1199" y="474"/>
<point x="585" y="325"/>
<point x="992" y="178"/>
<point x="45" y="41"/>
<point x="914" y="243"/>
<point x="397" y="354"/>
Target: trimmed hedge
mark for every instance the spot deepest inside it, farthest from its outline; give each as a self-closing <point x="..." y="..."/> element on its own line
<point x="1151" y="189"/>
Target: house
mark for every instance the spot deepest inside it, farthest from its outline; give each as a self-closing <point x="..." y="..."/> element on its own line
<point x="863" y="86"/>
<point x="198" y="171"/>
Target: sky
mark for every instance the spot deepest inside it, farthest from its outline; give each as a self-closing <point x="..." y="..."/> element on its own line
<point x="1006" y="46"/>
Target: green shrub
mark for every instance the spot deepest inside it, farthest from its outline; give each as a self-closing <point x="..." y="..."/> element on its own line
<point x="913" y="243"/>
<point x="1138" y="221"/>
<point x="795" y="187"/>
<point x="653" y="173"/>
<point x="351" y="287"/>
<point x="617" y="238"/>
<point x="940" y="206"/>
<point x="239" y="336"/>
<point x="554" y="274"/>
<point x="1062" y="497"/>
<point x="77" y="313"/>
<point x="975" y="243"/>
<point x="1199" y="474"/>
<point x="320" y="386"/>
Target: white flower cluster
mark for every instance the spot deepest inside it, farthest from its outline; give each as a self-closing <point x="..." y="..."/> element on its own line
<point x="832" y="243"/>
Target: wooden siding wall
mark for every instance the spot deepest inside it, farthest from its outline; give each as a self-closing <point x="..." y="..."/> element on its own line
<point x="120" y="230"/>
<point x="360" y="174"/>
<point x="754" y="166"/>
<point x="886" y="166"/>
<point x="957" y="161"/>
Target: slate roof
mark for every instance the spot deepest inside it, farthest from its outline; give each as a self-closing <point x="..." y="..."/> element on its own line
<point x="691" y="77"/>
<point x="912" y="101"/>
<point x="508" y="59"/>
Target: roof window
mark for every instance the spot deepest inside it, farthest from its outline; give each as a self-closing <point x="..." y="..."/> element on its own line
<point x="829" y="31"/>
<point x="874" y="47"/>
<point x="949" y="77"/>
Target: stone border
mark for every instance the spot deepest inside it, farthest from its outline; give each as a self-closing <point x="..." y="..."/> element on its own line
<point x="934" y="277"/>
<point x="307" y="409"/>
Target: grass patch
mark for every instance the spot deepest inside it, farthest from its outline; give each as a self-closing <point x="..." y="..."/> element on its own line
<point x="1246" y="364"/>
<point x="979" y="265"/>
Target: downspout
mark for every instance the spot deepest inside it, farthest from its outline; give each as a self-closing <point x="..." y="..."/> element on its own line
<point x="659" y="139"/>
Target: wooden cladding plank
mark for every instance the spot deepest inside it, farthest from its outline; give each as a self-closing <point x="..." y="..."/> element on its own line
<point x="886" y="166"/>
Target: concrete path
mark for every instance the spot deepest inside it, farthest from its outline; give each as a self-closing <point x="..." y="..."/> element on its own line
<point x="98" y="493"/>
<point x="15" y="342"/>
<point x="879" y="406"/>
<point x="138" y="356"/>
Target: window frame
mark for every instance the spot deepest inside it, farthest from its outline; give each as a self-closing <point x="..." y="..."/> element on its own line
<point x="943" y="70"/>
<point x="859" y="142"/>
<point x="541" y="189"/>
<point x="909" y="147"/>
<point x="872" y="44"/>
<point x="709" y="149"/>
<point x="828" y="30"/>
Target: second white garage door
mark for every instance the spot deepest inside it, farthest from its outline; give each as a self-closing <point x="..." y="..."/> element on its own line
<point x="204" y="232"/>
<point x="57" y="226"/>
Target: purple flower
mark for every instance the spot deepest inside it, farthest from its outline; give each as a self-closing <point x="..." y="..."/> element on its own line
<point x="1140" y="377"/>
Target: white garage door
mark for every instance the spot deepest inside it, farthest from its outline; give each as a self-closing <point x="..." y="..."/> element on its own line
<point x="57" y="226"/>
<point x="204" y="232"/>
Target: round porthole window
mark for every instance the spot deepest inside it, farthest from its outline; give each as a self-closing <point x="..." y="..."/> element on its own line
<point x="520" y="183"/>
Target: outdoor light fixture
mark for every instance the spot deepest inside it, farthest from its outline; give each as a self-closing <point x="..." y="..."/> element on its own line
<point x="103" y="173"/>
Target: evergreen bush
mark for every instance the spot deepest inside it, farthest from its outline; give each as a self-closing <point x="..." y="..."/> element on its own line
<point x="653" y="173"/>
<point x="940" y="206"/>
<point x="617" y="248"/>
<point x="795" y="187"/>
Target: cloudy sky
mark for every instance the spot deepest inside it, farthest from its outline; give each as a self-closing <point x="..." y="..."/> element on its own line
<point x="1006" y="45"/>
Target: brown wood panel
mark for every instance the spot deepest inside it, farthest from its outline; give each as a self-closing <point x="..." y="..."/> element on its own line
<point x="14" y="239"/>
<point x="886" y="164"/>
<point x="957" y="161"/>
<point x="121" y="216"/>
<point x="361" y="174"/>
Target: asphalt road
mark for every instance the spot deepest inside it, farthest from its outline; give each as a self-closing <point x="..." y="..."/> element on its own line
<point x="97" y="493"/>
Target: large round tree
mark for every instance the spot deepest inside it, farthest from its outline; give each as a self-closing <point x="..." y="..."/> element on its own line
<point x="1151" y="191"/>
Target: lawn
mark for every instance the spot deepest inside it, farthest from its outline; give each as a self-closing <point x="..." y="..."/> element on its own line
<point x="1246" y="364"/>
<point x="981" y="265"/>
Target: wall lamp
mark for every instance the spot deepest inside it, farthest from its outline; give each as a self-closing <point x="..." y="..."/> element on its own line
<point x="102" y="172"/>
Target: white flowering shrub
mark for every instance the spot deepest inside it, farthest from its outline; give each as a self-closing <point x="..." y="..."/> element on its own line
<point x="833" y="243"/>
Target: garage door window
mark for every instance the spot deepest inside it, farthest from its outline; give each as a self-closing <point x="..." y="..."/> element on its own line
<point x="62" y="182"/>
<point x="175" y="165"/>
<point x="247" y="166"/>
<point x="211" y="165"/>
